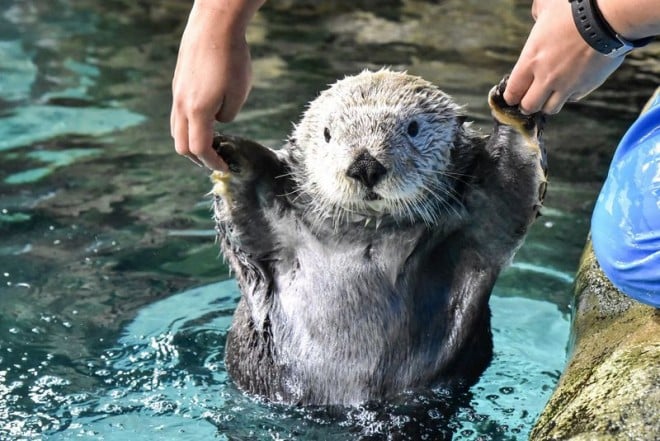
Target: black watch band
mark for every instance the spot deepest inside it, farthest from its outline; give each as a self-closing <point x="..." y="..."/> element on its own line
<point x="598" y="33"/>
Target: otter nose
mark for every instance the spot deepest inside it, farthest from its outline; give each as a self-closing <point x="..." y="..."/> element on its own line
<point x="366" y="169"/>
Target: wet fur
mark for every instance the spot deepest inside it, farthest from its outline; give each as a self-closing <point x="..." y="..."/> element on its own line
<point x="346" y="300"/>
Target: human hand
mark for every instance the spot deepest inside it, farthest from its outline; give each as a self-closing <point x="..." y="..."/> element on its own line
<point x="556" y="65"/>
<point x="212" y="77"/>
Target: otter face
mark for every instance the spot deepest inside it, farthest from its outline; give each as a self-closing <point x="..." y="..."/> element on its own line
<point x="379" y="144"/>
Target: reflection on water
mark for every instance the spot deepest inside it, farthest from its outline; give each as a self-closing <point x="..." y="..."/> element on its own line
<point x="101" y="223"/>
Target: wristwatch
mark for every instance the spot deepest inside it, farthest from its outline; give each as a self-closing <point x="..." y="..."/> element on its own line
<point x="598" y="33"/>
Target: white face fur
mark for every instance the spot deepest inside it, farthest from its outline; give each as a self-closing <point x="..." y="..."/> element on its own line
<point x="404" y="122"/>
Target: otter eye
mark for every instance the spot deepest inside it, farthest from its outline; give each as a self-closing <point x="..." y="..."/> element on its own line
<point x="326" y="134"/>
<point x="413" y="129"/>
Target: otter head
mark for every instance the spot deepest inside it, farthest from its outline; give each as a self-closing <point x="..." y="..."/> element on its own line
<point x="379" y="144"/>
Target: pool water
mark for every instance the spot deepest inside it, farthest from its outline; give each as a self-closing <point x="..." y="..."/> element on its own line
<point x="114" y="301"/>
<point x="164" y="379"/>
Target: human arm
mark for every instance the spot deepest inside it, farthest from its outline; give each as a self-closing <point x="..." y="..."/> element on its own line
<point x="556" y="64"/>
<point x="212" y="75"/>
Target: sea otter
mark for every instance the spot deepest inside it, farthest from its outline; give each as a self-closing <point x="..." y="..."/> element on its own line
<point x="366" y="248"/>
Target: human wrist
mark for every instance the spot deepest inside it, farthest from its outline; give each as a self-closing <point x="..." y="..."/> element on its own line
<point x="229" y="16"/>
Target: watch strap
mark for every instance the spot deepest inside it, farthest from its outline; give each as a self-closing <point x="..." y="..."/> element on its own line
<point x="597" y="32"/>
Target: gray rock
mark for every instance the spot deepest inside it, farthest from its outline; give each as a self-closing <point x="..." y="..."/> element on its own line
<point x="610" y="389"/>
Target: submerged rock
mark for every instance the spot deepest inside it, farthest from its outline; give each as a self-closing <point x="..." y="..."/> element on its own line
<point x="610" y="387"/>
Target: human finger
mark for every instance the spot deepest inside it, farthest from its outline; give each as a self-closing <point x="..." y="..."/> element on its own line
<point x="517" y="85"/>
<point x="179" y="131"/>
<point x="231" y="105"/>
<point x="173" y="114"/>
<point x="554" y="103"/>
<point x="201" y="144"/>
<point x="235" y="96"/>
<point x="535" y="98"/>
<point x="575" y="97"/>
<point x="537" y="8"/>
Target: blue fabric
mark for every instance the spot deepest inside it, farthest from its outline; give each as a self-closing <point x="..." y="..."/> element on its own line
<point x="625" y="226"/>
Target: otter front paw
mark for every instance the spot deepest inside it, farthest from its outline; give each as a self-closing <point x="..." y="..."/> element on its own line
<point x="248" y="162"/>
<point x="527" y="125"/>
<point x="525" y="151"/>
<point x="229" y="149"/>
<point x="226" y="146"/>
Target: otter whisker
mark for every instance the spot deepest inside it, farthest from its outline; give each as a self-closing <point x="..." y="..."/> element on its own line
<point x="442" y="187"/>
<point x="448" y="173"/>
<point x="446" y="204"/>
<point x="293" y="195"/>
<point x="462" y="178"/>
<point x="409" y="209"/>
<point x="289" y="174"/>
<point x="440" y="195"/>
<point x="423" y="211"/>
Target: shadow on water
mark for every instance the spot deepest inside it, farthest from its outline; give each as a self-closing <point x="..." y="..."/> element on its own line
<point x="101" y="224"/>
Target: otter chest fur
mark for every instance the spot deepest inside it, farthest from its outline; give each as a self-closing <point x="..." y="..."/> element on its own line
<point x="367" y="247"/>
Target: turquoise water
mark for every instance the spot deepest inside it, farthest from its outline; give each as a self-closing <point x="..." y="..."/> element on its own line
<point x="164" y="379"/>
<point x="114" y="301"/>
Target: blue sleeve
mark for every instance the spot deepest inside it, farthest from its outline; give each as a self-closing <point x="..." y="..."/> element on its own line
<point x="625" y="226"/>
